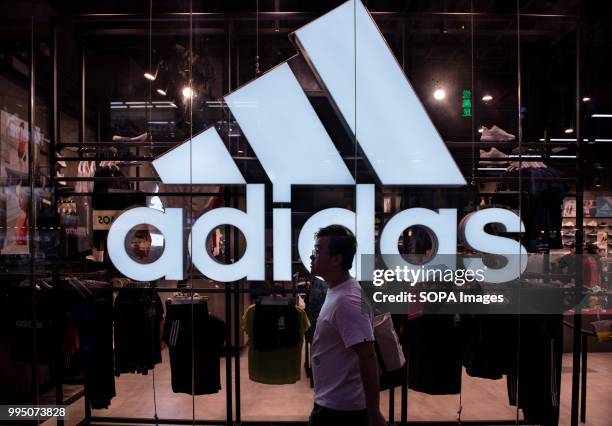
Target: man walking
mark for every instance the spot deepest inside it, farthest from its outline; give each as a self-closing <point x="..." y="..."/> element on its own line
<point x="343" y="359"/>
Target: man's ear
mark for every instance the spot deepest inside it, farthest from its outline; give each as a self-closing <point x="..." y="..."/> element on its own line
<point x="336" y="260"/>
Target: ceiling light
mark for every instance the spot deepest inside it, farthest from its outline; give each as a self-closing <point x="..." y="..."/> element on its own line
<point x="601" y="115"/>
<point x="149" y="76"/>
<point x="161" y="92"/>
<point x="439" y="94"/>
<point x="569" y="130"/>
<point x="586" y="99"/>
<point x="597" y="181"/>
<point x="187" y="92"/>
<point x="481" y="130"/>
<point x="487" y="98"/>
<point x="562" y="140"/>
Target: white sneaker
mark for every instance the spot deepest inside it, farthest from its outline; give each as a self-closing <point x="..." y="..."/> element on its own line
<point x="495" y="134"/>
<point x="140" y="138"/>
<point x="59" y="160"/>
<point x="493" y="153"/>
<point x="61" y="175"/>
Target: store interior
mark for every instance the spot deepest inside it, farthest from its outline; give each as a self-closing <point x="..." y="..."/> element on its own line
<point x="93" y="92"/>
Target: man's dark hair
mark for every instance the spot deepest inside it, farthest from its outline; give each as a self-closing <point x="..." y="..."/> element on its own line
<point x="341" y="242"/>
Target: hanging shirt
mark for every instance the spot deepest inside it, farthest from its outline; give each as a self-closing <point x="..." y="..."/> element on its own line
<point x="195" y="340"/>
<point x="342" y="323"/>
<point x="275" y="327"/>
<point x="137" y="314"/>
<point x="91" y="307"/>
<point x="280" y="366"/>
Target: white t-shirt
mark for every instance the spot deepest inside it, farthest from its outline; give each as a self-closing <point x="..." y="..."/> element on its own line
<point x="335" y="367"/>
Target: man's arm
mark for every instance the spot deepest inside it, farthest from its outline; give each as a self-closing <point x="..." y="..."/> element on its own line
<point x="369" y="376"/>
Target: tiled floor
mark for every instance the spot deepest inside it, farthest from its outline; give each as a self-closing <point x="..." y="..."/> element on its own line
<point x="481" y="399"/>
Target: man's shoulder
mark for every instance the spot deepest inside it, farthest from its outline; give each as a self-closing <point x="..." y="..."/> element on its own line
<point x="351" y="303"/>
<point x="350" y="287"/>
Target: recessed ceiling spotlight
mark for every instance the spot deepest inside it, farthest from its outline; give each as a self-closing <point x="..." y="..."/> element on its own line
<point x="187" y="92"/>
<point x="569" y="130"/>
<point x="439" y="94"/>
<point x="586" y="99"/>
<point x="161" y="92"/>
<point x="487" y="98"/>
<point x="149" y="76"/>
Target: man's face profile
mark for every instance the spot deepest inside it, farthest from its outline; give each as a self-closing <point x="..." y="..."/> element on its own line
<point x="319" y="259"/>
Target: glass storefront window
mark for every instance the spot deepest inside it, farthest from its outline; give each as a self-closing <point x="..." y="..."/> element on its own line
<point x="165" y="166"/>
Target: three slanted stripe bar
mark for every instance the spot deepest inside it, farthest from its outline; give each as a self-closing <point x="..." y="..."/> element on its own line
<point x="352" y="60"/>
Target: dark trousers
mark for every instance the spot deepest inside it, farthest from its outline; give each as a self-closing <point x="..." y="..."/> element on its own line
<point x="322" y="416"/>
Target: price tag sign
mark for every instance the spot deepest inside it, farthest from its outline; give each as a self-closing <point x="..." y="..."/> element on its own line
<point x="103" y="219"/>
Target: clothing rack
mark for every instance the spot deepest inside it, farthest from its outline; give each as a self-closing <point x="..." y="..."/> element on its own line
<point x="234" y="352"/>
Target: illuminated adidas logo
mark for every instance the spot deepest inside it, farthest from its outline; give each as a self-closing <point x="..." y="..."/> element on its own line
<point x="369" y="90"/>
<point x="381" y="110"/>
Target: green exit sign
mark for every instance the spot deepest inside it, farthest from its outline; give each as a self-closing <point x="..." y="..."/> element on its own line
<point x="466" y="103"/>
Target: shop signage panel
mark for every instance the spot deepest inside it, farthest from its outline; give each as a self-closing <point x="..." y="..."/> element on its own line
<point x="103" y="219"/>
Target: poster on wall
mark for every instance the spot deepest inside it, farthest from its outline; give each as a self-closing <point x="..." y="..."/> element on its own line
<point x="602" y="240"/>
<point x="17" y="200"/>
<point x="13" y="145"/>
<point x="569" y="207"/>
<point x="590" y="208"/>
<point x="604" y="206"/>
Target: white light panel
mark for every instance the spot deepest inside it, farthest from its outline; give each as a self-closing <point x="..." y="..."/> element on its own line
<point x="360" y="73"/>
